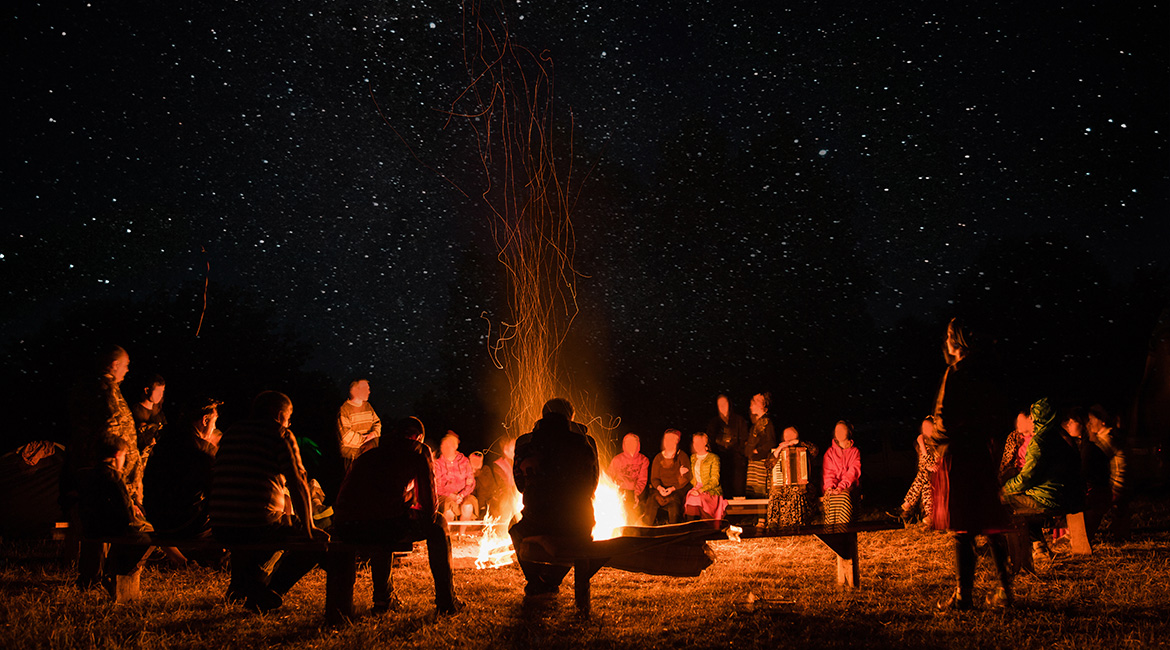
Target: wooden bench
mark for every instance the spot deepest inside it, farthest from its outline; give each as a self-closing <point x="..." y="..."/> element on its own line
<point x="673" y="550"/>
<point x="840" y="538"/>
<point x="1020" y="544"/>
<point x="339" y="563"/>
<point x="742" y="507"/>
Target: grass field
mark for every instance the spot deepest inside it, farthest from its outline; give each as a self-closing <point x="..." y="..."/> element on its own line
<point x="772" y="593"/>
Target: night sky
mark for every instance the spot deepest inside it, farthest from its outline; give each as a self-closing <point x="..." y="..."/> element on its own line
<point x="793" y="199"/>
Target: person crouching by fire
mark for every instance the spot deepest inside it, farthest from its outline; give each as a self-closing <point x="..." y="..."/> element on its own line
<point x="556" y="471"/>
<point x="400" y="465"/>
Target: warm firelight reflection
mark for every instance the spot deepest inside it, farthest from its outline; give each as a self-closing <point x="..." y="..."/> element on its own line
<point x="607" y="509"/>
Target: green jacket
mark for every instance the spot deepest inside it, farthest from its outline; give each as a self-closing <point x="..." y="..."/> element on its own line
<point x="706" y="473"/>
<point x="1052" y="467"/>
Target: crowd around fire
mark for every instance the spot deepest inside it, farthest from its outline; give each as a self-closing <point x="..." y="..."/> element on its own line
<point x="135" y="480"/>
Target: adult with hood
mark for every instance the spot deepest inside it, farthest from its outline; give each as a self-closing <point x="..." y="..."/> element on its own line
<point x="966" y="495"/>
<point x="556" y="471"/>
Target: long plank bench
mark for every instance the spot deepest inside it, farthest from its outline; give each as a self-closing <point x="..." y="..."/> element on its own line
<point x="675" y="550"/>
<point x="840" y="538"/>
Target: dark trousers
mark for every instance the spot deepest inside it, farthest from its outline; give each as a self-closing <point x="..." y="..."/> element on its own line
<point x="673" y="506"/>
<point x="541" y="577"/>
<point x="964" y="544"/>
<point x="249" y="579"/>
<point x="406" y="529"/>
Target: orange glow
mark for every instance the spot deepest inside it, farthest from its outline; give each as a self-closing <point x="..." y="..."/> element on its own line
<point x="608" y="512"/>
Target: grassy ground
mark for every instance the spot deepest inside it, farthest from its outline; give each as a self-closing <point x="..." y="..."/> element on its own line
<point x="776" y="593"/>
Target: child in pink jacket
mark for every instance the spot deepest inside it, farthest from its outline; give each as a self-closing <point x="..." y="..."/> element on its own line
<point x="842" y="475"/>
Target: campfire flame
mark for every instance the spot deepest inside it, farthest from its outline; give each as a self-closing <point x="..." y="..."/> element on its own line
<point x="495" y="545"/>
<point x="608" y="511"/>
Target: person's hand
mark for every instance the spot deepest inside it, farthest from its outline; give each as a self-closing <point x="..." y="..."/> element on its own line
<point x="683" y="470"/>
<point x="459" y="499"/>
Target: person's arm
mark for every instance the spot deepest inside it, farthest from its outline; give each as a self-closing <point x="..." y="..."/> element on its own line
<point x="1029" y="476"/>
<point x="1011" y="447"/>
<point x="643" y="477"/>
<point x="711" y="482"/>
<point x="298" y="484"/>
<point x="425" y="482"/>
<point x="468" y="477"/>
<point x="829" y="470"/>
<point x="345" y="433"/>
<point x="684" y="470"/>
<point x="376" y="428"/>
<point x="852" y="470"/>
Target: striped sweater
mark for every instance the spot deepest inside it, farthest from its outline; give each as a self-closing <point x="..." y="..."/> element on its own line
<point x="255" y="459"/>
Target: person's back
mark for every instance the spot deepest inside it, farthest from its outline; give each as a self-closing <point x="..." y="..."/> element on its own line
<point x="381" y="482"/>
<point x="247" y="489"/>
<point x="556" y="470"/>
<point x="178" y="481"/>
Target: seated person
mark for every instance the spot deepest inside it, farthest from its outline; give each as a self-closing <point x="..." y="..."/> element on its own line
<point x="388" y="497"/>
<point x="841" y="475"/>
<point x="487" y="488"/>
<point x="178" y="477"/>
<point x="1016" y="446"/>
<point x="920" y="498"/>
<point x="669" y="480"/>
<point x="556" y="471"/>
<point x="454" y="481"/>
<point x="257" y="460"/>
<point x="106" y="510"/>
<point x="789" y="501"/>
<point x="705" y="499"/>
<point x="1050" y="480"/>
<point x="629" y="471"/>
<point x="504" y="507"/>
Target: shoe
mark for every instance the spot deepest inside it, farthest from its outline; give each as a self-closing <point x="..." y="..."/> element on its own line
<point x="453" y="607"/>
<point x="392" y="604"/>
<point x="263" y="601"/>
<point x="1001" y="598"/>
<point x="955" y="603"/>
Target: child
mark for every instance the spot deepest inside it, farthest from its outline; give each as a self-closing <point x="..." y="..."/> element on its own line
<point x="842" y="474"/>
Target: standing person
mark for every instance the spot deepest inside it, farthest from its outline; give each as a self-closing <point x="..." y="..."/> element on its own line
<point x="966" y="495"/>
<point x="919" y="497"/>
<point x="630" y="471"/>
<point x="455" y="481"/>
<point x="357" y="423"/>
<point x="705" y="500"/>
<point x="669" y="480"/>
<point x="728" y="433"/>
<point x="841" y="475"/>
<point x="758" y="448"/>
<point x="389" y="495"/>
<point x="257" y="459"/>
<point x="789" y="501"/>
<point x="556" y="471"/>
<point x="97" y="412"/>
<point x="149" y="418"/>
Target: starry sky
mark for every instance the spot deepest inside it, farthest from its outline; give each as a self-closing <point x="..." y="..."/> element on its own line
<point x="783" y="196"/>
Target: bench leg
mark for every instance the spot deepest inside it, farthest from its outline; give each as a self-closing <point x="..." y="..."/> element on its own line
<point x="128" y="587"/>
<point x="1019" y="549"/>
<point x="581" y="576"/>
<point x="1078" y="537"/>
<point x="845" y="546"/>
<point x="340" y="576"/>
